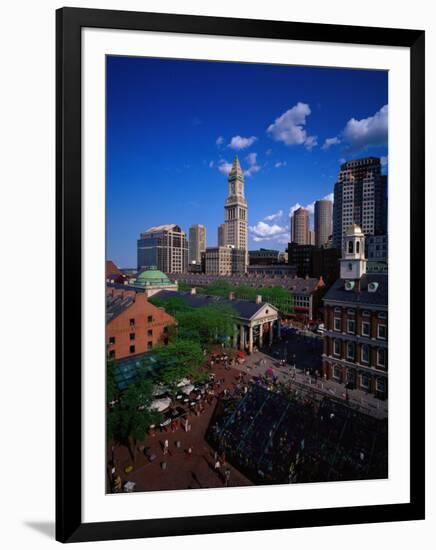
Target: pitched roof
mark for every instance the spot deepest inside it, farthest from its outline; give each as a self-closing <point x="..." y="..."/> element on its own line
<point x="337" y="292"/>
<point x="112" y="269"/>
<point x="115" y="305"/>
<point x="244" y="308"/>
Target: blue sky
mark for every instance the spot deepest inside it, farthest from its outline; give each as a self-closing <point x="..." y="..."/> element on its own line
<point x="174" y="126"/>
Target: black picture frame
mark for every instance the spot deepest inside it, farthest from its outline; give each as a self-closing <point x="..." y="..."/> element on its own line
<point x="69" y="525"/>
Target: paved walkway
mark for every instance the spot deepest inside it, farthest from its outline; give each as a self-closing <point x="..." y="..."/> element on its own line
<point x="258" y="363"/>
<point x="177" y="469"/>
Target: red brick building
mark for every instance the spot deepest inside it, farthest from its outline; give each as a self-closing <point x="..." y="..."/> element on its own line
<point x="133" y="325"/>
<point x="356" y="322"/>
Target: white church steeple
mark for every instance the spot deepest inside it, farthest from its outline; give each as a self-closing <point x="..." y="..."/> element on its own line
<point x="353" y="261"/>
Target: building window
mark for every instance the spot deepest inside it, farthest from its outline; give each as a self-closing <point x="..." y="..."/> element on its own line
<point x="382" y="315"/>
<point x="350" y="267"/>
<point x="357" y="247"/>
<point x="132" y="322"/>
<point x="366" y="313"/>
<point x="350" y="247"/>
<point x="364" y="381"/>
<point x="365" y="354"/>
<point x="366" y="329"/>
<point x="381" y="357"/>
<point x="150" y="332"/>
<point x="351" y="350"/>
<point x="111" y="339"/>
<point x="337" y="324"/>
<point x="351" y="326"/>
<point x="132" y="336"/>
<point x="149" y="345"/>
<point x="165" y="330"/>
<point x="381" y="332"/>
<point x="112" y="354"/>
<point x="337" y="373"/>
<point x="336" y="347"/>
<point x="150" y="319"/>
<point x="166" y="341"/>
<point x="132" y="349"/>
<point x="381" y="385"/>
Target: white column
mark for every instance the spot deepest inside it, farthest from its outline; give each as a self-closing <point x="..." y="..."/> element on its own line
<point x="279" y="335"/>
<point x="261" y="335"/>
<point x="235" y="335"/>
<point x="250" y="339"/>
<point x="271" y="325"/>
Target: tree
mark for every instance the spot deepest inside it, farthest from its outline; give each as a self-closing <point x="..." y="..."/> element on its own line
<point x="129" y="420"/>
<point x="178" y="360"/>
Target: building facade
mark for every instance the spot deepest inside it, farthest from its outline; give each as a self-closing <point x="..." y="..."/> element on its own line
<point x="263" y="256"/>
<point x="300" y="227"/>
<point x="133" y="325"/>
<point x="323" y="222"/>
<point x="356" y="321"/>
<point x="300" y="256"/>
<point x="225" y="260"/>
<point x="236" y="211"/>
<point x="197" y="243"/>
<point x="360" y="197"/>
<point x="163" y="246"/>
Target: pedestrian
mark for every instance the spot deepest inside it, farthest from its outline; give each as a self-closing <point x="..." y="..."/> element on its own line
<point x="189" y="451"/>
<point x="217" y="466"/>
<point x="165" y="447"/>
<point x="227" y="477"/>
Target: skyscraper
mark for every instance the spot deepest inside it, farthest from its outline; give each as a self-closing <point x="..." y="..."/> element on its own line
<point x="236" y="210"/>
<point x="197" y="243"/>
<point x="165" y="247"/>
<point x="300" y="226"/>
<point x="222" y="235"/>
<point x="323" y="222"/>
<point x="360" y="198"/>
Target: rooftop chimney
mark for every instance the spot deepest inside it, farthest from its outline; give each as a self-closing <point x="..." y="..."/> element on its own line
<point x="231" y="296"/>
<point x="258" y="299"/>
<point x="193" y="290"/>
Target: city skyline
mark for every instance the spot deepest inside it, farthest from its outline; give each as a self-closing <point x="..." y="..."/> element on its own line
<point x="174" y="161"/>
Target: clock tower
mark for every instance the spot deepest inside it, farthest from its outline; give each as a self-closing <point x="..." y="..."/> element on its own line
<point x="236" y="211"/>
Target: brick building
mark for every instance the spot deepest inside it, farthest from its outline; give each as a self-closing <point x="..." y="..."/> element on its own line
<point x="356" y="321"/>
<point x="133" y="325"/>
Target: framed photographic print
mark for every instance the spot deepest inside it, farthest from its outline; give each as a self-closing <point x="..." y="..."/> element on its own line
<point x="240" y="242"/>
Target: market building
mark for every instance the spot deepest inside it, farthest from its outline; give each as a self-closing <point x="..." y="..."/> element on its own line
<point x="257" y="323"/>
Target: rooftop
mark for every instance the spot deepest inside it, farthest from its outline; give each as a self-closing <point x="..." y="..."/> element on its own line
<point x="337" y="292"/>
<point x="244" y="308"/>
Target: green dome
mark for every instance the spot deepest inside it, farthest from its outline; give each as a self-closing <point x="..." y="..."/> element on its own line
<point x="152" y="277"/>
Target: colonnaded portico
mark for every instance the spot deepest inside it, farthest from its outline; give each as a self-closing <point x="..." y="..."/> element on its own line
<point x="256" y="322"/>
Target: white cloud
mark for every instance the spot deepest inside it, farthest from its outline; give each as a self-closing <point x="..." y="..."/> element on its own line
<point x="311" y="142"/>
<point x="290" y="127"/>
<point x="367" y="132"/>
<point x="279" y="164"/>
<point x="268" y="152"/>
<point x="264" y="232"/>
<point x="329" y="142"/>
<point x="275" y="216"/>
<point x="342" y="160"/>
<point x="239" y="142"/>
<point x="224" y="167"/>
<point x="253" y="166"/>
<point x="211" y="164"/>
<point x="219" y="141"/>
